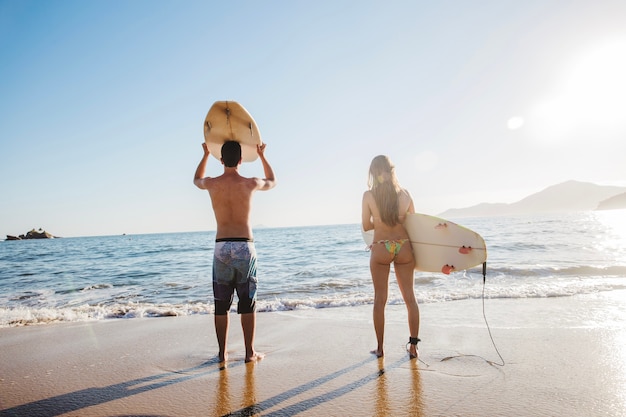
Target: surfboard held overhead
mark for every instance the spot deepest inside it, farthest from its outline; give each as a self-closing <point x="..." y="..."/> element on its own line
<point x="229" y="120"/>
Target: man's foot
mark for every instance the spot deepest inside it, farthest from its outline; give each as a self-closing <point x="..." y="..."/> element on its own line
<point x="378" y="352"/>
<point x="223" y="357"/>
<point x="256" y="356"/>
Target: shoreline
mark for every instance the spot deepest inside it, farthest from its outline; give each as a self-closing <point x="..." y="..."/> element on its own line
<point x="562" y="356"/>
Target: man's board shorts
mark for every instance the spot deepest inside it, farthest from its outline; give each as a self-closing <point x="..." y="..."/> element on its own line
<point x="234" y="269"/>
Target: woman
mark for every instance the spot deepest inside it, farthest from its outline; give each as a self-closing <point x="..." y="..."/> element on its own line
<point x="385" y="205"/>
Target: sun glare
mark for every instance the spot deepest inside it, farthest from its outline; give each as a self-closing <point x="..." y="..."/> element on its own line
<point x="592" y="96"/>
<point x="515" y="123"/>
<point x="614" y="222"/>
<point x="598" y="83"/>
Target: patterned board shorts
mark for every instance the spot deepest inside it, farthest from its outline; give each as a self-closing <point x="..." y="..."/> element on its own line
<point x="234" y="269"/>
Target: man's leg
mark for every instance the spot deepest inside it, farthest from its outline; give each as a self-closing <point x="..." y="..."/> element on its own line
<point x="221" y="330"/>
<point x="246" y="292"/>
<point x="248" y="324"/>
<point x="223" y="298"/>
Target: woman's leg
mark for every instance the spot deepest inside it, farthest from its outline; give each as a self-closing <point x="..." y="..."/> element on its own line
<point x="404" y="266"/>
<point x="380" y="279"/>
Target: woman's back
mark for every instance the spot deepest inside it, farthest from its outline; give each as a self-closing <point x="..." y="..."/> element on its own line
<point x="383" y="230"/>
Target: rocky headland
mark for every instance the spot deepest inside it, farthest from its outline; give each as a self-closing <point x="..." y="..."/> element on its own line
<point x="33" y="234"/>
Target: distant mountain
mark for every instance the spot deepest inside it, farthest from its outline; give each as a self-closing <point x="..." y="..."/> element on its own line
<point x="615" y="202"/>
<point x="567" y="196"/>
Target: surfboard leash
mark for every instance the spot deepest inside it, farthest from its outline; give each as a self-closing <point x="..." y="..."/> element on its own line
<point x="488" y="329"/>
<point x="485" y="317"/>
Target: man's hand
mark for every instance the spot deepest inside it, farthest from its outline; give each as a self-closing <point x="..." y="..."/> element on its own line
<point x="260" y="149"/>
<point x="206" y="149"/>
<point x="269" y="181"/>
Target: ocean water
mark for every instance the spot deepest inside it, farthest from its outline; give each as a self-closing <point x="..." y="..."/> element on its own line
<point x="99" y="278"/>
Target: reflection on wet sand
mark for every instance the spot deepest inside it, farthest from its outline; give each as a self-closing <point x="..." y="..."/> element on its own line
<point x="382" y="397"/>
<point x="393" y="387"/>
<point x="249" y="400"/>
<point x="227" y="393"/>
<point x="414" y="398"/>
<point x="222" y="405"/>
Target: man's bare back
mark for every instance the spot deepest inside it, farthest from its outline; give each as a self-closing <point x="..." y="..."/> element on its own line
<point x="231" y="195"/>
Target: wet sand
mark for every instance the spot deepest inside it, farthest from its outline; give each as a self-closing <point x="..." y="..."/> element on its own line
<point x="563" y="356"/>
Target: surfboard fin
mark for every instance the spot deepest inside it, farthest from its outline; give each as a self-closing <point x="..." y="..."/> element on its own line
<point x="227" y="116"/>
<point x="447" y="269"/>
<point x="441" y="226"/>
<point x="465" y="250"/>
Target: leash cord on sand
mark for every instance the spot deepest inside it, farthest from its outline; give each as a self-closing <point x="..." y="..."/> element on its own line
<point x="485" y="317"/>
<point x="488" y="329"/>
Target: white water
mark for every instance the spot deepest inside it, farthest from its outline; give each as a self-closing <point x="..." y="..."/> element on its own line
<point x="75" y="279"/>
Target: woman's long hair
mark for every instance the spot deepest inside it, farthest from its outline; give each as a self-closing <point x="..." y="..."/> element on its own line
<point x="384" y="186"/>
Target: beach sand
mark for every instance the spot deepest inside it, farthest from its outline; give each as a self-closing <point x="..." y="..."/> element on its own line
<point x="563" y="357"/>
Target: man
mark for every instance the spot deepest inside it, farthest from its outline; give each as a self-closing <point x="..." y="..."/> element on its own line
<point x="234" y="259"/>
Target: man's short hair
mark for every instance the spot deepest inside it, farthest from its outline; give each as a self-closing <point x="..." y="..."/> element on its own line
<point x="231" y="153"/>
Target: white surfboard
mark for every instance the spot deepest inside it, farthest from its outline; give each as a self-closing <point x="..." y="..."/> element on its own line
<point x="440" y="245"/>
<point x="229" y="120"/>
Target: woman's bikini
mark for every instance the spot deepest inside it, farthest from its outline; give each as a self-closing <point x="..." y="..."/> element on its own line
<point x="393" y="246"/>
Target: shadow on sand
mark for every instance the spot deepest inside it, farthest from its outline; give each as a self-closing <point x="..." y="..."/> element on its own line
<point x="77" y="400"/>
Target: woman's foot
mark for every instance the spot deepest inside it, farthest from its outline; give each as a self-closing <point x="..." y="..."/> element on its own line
<point x="412" y="347"/>
<point x="378" y="352"/>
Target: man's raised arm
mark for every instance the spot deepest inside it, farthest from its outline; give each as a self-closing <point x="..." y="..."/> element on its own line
<point x="199" y="176"/>
<point x="270" y="180"/>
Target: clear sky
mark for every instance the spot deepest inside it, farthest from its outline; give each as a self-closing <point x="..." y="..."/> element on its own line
<point x="102" y="105"/>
